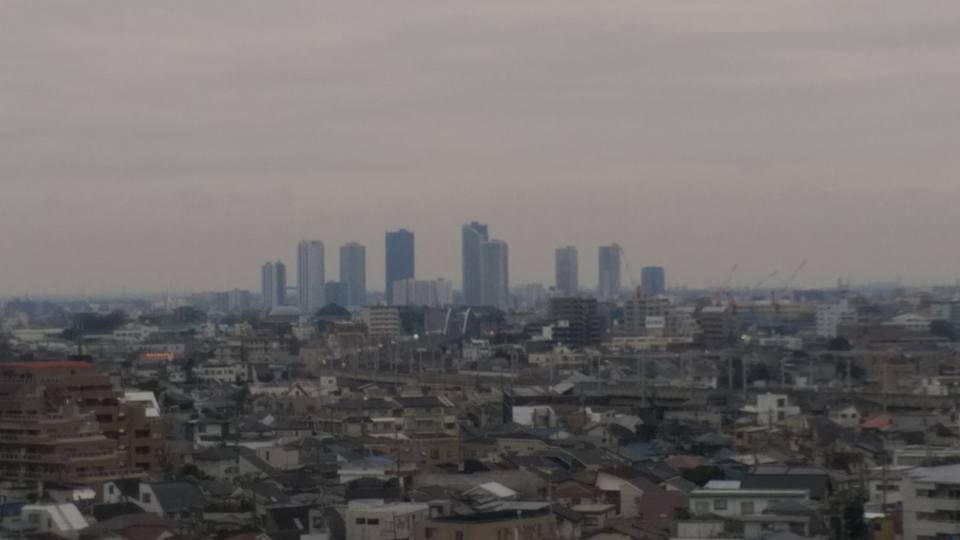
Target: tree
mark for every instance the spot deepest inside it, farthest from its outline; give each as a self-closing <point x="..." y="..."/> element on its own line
<point x="839" y="343"/>
<point x="853" y="523"/>
<point x="702" y="474"/>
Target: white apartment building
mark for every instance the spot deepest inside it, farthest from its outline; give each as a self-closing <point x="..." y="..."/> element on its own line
<point x="931" y="503"/>
<point x="831" y="316"/>
<point x="422" y="292"/>
<point x="382" y="321"/>
<point x="727" y="499"/>
<point x="223" y="373"/>
<point x="771" y="409"/>
<point x="370" y="519"/>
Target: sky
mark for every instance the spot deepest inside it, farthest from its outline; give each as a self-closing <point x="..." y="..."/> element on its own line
<point x="177" y="145"/>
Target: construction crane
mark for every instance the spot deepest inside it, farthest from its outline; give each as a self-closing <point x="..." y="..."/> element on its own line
<point x="626" y="265"/>
<point x="721" y="291"/>
<point x="793" y="275"/>
<point x="762" y="281"/>
<point x="786" y="285"/>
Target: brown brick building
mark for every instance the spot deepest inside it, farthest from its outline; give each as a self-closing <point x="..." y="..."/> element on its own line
<point x="64" y="421"/>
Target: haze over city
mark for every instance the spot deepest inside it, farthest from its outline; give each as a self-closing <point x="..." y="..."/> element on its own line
<point x="177" y="146"/>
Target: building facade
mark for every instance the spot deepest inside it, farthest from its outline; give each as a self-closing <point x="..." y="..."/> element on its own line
<point x="420" y="292"/>
<point x="576" y="321"/>
<point x="400" y="258"/>
<point x="495" y="273"/>
<point x="336" y="292"/>
<point x="931" y="503"/>
<point x="353" y="273"/>
<point x="608" y="283"/>
<point x="567" y="275"/>
<point x="64" y="421"/>
<point x="653" y="279"/>
<point x="474" y="235"/>
<point x="310" y="276"/>
<point x="383" y="322"/>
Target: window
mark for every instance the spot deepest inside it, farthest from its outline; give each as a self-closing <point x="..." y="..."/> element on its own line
<point x="458" y="535"/>
<point x="702" y="507"/>
<point x="111" y="489"/>
<point x="747" y="508"/>
<point x="142" y="450"/>
<point x="429" y="532"/>
<point x="781" y="402"/>
<point x="141" y="433"/>
<point x="361" y="521"/>
<point x="373" y="522"/>
<point x="145" y="498"/>
<point x="719" y="504"/>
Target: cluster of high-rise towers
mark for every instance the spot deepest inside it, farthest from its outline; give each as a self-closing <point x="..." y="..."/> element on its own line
<point x="486" y="274"/>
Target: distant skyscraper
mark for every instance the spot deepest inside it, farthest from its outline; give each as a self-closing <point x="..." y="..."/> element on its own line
<point x="400" y="258"/>
<point x="494" y="274"/>
<point x="353" y="273"/>
<point x="474" y="234"/>
<point x="267" y="286"/>
<point x="653" y="279"/>
<point x="608" y="284"/>
<point x="311" y="276"/>
<point x="280" y="281"/>
<point x="273" y="284"/>
<point x="566" y="269"/>
<point x="335" y="292"/>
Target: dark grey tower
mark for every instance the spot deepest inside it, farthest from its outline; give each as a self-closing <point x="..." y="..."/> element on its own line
<point x="400" y="258"/>
<point x="474" y="235"/>
<point x="568" y="281"/>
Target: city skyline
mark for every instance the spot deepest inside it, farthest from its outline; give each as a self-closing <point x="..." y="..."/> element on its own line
<point x="771" y="134"/>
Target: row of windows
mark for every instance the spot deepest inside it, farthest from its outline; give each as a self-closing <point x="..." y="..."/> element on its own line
<point x="943" y="494"/>
<point x="703" y="507"/>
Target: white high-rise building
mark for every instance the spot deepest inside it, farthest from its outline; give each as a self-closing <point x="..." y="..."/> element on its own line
<point x="930" y="502"/>
<point x="273" y="284"/>
<point x="421" y="292"/>
<point x="311" y="276"/>
<point x="831" y="316"/>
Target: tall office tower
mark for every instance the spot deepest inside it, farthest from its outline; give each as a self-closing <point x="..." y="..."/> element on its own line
<point x="311" y="275"/>
<point x="353" y="273"/>
<point x="494" y="274"/>
<point x="608" y="285"/>
<point x="280" y="283"/>
<point x="474" y="234"/>
<point x="399" y="257"/>
<point x="267" y="286"/>
<point x="566" y="268"/>
<point x="653" y="279"/>
<point x="335" y="292"/>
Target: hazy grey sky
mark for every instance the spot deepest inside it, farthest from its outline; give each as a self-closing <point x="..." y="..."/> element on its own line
<point x="179" y="144"/>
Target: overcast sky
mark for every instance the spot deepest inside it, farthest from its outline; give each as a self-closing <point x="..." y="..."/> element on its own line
<point x="176" y="145"/>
